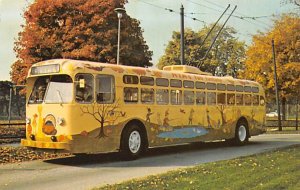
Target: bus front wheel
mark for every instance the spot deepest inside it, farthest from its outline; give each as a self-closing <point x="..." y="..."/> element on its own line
<point x="241" y="133"/>
<point x="132" y="143"/>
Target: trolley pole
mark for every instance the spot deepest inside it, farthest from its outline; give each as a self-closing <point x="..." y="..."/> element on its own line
<point x="182" y="36"/>
<point x="276" y="88"/>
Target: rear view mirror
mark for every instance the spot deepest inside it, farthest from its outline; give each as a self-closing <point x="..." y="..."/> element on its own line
<point x="81" y="83"/>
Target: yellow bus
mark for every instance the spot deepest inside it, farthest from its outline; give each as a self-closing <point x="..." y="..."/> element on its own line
<point x="88" y="107"/>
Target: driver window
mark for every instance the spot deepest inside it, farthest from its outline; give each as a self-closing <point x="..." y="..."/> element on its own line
<point x="84" y="93"/>
<point x="38" y="93"/>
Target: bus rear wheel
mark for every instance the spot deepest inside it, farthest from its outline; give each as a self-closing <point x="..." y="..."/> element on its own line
<point x="132" y="143"/>
<point x="241" y="133"/>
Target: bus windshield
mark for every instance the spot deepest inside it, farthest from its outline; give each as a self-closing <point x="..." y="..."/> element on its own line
<point x="52" y="89"/>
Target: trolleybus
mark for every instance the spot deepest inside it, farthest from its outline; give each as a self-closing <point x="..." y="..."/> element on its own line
<point x="88" y="107"/>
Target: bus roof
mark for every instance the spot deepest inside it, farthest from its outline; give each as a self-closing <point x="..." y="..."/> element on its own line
<point x="184" y="72"/>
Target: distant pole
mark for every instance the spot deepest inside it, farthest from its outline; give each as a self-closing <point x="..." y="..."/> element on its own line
<point x="297" y="102"/>
<point x="276" y="88"/>
<point x="182" y="36"/>
<point x="9" y="105"/>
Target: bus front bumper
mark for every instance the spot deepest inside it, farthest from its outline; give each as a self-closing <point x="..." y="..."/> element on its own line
<point x="45" y="145"/>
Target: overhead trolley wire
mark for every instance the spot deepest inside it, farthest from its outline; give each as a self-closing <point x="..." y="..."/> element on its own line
<point x="244" y="17"/>
<point x="171" y="10"/>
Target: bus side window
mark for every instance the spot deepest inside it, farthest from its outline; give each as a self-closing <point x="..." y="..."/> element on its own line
<point x="130" y="94"/>
<point x="247" y="98"/>
<point x="255" y="100"/>
<point x="105" y="89"/>
<point x="147" y="95"/>
<point x="162" y="96"/>
<point x="221" y="97"/>
<point x="239" y="99"/>
<point x="230" y="99"/>
<point x="176" y="97"/>
<point x="85" y="94"/>
<point x="189" y="98"/>
<point x="211" y="98"/>
<point x="262" y="101"/>
<point x="200" y="98"/>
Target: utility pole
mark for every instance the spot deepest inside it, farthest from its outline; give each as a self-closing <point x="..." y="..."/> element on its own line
<point x="276" y="88"/>
<point x="9" y="105"/>
<point x="297" y="109"/>
<point x="182" y="36"/>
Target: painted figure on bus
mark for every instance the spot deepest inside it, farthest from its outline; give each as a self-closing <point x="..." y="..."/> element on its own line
<point x="149" y="113"/>
<point x="191" y="116"/>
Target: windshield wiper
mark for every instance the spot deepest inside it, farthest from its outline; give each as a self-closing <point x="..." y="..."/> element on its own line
<point x="60" y="97"/>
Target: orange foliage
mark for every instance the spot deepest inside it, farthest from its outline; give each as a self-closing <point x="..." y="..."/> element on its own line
<point x="259" y="63"/>
<point x="77" y="29"/>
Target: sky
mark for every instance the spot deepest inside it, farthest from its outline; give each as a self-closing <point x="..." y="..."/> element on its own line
<point x="157" y="21"/>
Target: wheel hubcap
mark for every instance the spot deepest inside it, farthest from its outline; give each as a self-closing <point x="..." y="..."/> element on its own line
<point x="242" y="133"/>
<point x="134" y="141"/>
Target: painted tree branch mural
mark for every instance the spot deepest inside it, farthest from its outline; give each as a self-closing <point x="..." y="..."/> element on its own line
<point x="103" y="113"/>
<point x="221" y="109"/>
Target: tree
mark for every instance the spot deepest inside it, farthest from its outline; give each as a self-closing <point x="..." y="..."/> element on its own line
<point x="259" y="65"/>
<point x="77" y="29"/>
<point x="225" y="58"/>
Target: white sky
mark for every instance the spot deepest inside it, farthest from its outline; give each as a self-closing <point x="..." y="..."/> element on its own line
<point x="157" y="23"/>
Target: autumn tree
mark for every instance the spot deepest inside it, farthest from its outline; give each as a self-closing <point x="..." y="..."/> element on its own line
<point x="259" y="65"/>
<point x="78" y="29"/>
<point x="225" y="58"/>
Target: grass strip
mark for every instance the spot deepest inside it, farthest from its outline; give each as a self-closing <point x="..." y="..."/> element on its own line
<point x="278" y="169"/>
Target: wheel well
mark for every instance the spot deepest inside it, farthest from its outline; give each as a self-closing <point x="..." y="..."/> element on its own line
<point x="244" y="120"/>
<point x="141" y="125"/>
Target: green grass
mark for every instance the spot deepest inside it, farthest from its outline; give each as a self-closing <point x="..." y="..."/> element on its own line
<point x="279" y="169"/>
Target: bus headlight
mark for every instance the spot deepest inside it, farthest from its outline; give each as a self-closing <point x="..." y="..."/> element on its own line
<point x="28" y="120"/>
<point x="60" y="121"/>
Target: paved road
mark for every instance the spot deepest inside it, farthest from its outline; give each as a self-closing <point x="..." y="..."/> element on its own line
<point x="90" y="171"/>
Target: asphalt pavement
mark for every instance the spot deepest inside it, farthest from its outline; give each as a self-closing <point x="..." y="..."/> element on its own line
<point x="90" y="171"/>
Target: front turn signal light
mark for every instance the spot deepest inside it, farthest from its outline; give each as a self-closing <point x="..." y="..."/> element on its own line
<point x="28" y="120"/>
<point x="60" y="121"/>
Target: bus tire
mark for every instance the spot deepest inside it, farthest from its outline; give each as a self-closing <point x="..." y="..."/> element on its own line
<point x="241" y="133"/>
<point x="133" y="142"/>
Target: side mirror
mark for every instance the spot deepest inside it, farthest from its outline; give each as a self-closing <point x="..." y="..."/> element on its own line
<point x="81" y="83"/>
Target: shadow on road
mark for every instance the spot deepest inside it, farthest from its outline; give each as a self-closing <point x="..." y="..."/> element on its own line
<point x="155" y="154"/>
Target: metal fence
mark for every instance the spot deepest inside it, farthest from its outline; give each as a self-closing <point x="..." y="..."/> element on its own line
<point x="12" y="104"/>
<point x="288" y="111"/>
